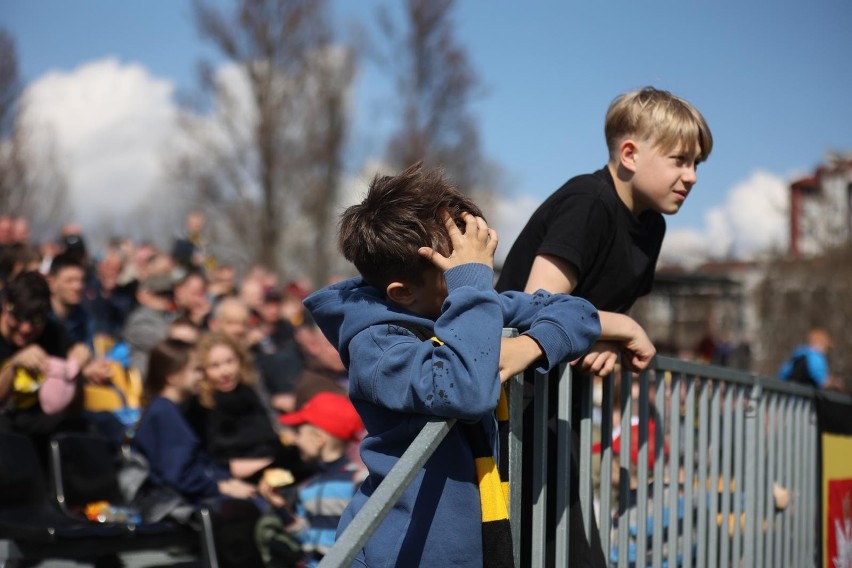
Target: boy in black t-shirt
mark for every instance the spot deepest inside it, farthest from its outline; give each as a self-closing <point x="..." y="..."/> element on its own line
<point x="598" y="237"/>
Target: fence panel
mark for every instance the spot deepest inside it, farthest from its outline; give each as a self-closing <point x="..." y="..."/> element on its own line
<point x="696" y="490"/>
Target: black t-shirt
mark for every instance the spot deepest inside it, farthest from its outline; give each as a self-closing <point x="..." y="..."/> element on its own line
<point x="54" y="340"/>
<point x="585" y="223"/>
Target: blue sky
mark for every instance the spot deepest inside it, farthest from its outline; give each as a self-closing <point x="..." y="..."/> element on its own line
<point x="773" y="79"/>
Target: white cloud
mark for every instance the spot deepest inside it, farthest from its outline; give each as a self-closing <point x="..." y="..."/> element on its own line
<point x="751" y="221"/>
<point x="510" y="214"/>
<point x="113" y="122"/>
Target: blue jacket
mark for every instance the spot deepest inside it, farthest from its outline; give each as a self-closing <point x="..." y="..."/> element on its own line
<point x="398" y="382"/>
<point x="174" y="452"/>
<point x="815" y="368"/>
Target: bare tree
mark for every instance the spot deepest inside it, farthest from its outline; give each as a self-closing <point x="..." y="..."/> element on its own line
<point x="266" y="149"/>
<point x="436" y="84"/>
<point x="10" y="84"/>
<point x="31" y="182"/>
<point x="327" y="123"/>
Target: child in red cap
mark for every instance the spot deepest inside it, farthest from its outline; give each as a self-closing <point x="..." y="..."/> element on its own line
<point x="305" y="531"/>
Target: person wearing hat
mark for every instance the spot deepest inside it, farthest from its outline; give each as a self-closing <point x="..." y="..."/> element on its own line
<point x="148" y="324"/>
<point x="305" y="530"/>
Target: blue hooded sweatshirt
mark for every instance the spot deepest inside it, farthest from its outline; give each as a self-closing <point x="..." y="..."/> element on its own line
<point x="398" y="382"/>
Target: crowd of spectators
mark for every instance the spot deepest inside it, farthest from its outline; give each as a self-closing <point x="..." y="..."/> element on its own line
<point x="77" y="323"/>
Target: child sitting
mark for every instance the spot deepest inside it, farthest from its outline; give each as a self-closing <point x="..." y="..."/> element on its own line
<point x="326" y="425"/>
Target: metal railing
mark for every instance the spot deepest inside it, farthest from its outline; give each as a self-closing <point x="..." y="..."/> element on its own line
<point x="699" y="493"/>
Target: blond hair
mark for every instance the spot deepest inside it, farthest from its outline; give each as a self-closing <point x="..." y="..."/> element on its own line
<point x="246" y="373"/>
<point x="659" y="117"/>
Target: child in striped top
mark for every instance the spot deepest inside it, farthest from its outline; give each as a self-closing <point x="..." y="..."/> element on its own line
<point x="305" y="530"/>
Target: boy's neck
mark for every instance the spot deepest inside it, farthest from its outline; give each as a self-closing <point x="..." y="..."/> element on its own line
<point x="623" y="186"/>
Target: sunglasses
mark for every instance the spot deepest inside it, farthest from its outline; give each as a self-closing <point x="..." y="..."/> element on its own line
<point x="35" y="320"/>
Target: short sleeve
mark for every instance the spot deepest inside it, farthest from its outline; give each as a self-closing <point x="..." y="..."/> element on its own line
<point x="578" y="230"/>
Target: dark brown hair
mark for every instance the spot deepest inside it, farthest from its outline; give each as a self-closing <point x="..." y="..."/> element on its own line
<point x="28" y="295"/>
<point x="400" y="214"/>
<point x="167" y="358"/>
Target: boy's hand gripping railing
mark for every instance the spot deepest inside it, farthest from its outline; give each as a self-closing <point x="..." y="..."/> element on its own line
<point x="388" y="492"/>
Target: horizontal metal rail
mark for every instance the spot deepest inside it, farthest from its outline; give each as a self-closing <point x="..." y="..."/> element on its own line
<point x="701" y="449"/>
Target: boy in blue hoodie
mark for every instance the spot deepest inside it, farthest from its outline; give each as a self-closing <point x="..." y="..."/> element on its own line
<point x="425" y="255"/>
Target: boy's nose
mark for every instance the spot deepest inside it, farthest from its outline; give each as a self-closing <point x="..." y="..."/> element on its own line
<point x="689" y="176"/>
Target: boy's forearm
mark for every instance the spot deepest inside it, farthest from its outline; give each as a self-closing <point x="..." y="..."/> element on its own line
<point x="617" y="327"/>
<point x="516" y="354"/>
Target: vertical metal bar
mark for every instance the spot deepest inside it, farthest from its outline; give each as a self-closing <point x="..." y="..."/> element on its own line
<point x="606" y="465"/>
<point x="771" y="477"/>
<point x="624" y="469"/>
<point x="539" y="480"/>
<point x="209" y="556"/>
<point x="712" y="488"/>
<point x="795" y="513"/>
<point x="662" y="426"/>
<point x="780" y="474"/>
<point x="789" y="458"/>
<point x="563" y="463"/>
<point x="642" y="475"/>
<point x="798" y="472"/>
<point x="674" y="466"/>
<point x="516" y="436"/>
<point x="806" y="518"/>
<point x="812" y="482"/>
<point x="686" y="507"/>
<point x="587" y="494"/>
<point x="739" y="478"/>
<point x="704" y="524"/>
<point x="725" y="493"/>
<point x="753" y="456"/>
<point x="760" y="515"/>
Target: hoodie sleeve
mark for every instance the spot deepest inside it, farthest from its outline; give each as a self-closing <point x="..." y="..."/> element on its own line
<point x="454" y="376"/>
<point x="564" y="326"/>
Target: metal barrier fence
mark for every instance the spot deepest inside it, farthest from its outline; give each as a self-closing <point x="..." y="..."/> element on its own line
<point x="712" y="444"/>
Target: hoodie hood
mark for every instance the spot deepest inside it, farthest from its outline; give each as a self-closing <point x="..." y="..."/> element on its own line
<point x="346" y="308"/>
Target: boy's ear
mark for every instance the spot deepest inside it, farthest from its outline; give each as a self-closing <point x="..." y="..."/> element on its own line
<point x="400" y="294"/>
<point x="627" y="151"/>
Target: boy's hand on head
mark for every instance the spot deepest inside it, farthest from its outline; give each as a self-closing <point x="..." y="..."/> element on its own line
<point x="516" y="354"/>
<point x="477" y="244"/>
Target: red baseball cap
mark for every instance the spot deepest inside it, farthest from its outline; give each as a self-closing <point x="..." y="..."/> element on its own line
<point x="332" y="412"/>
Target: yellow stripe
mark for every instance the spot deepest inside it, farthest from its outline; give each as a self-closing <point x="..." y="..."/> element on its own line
<point x="491" y="491"/>
<point x="505" y="485"/>
<point x="436" y="340"/>
<point x="503" y="406"/>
